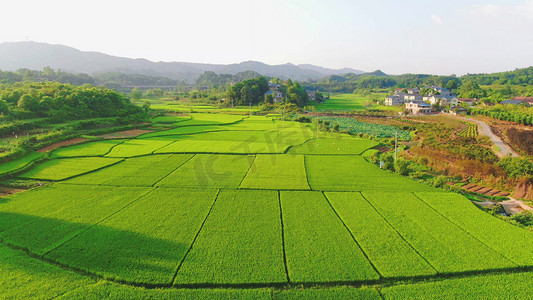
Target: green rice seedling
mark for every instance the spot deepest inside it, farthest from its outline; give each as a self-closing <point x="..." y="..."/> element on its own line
<point x="386" y="248"/>
<point x="447" y="247"/>
<point x="42" y="234"/>
<point x="145" y="241"/>
<point x="24" y="277"/>
<point x="317" y="245"/>
<point x="138" y="147"/>
<point x="332" y="146"/>
<point x="340" y="293"/>
<point x="517" y="244"/>
<point x="280" y="172"/>
<point x="210" y="171"/>
<point x="499" y="286"/>
<point x="61" y="169"/>
<point x="19" y="209"/>
<point x="239" y="243"/>
<point x="353" y="173"/>
<point x="98" y="148"/>
<point x="17" y="164"/>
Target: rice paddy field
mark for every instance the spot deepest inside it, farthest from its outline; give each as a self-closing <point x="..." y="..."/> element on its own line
<point x="235" y="207"/>
<point x="353" y="102"/>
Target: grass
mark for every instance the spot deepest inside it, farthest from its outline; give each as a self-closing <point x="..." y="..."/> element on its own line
<point x="278" y="172"/>
<point x="318" y="246"/>
<point x="60" y="169"/>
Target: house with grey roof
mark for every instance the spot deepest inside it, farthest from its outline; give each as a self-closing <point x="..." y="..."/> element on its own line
<point x="418" y="107"/>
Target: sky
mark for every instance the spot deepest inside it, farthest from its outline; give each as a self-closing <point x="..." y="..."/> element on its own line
<point x="397" y="37"/>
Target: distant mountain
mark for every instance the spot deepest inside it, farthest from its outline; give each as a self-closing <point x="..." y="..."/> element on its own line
<point x="35" y="56"/>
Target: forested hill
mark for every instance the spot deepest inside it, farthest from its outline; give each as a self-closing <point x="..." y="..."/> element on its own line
<point x="505" y="84"/>
<point x="36" y="56"/>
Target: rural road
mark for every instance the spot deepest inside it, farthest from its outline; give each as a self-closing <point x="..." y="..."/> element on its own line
<point x="504" y="150"/>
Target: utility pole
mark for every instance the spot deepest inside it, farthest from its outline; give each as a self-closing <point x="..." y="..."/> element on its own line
<point x="250" y="108"/>
<point x="317" y="121"/>
<point x="396" y="146"/>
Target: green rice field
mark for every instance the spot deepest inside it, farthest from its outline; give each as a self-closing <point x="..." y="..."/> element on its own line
<point x="237" y="207"/>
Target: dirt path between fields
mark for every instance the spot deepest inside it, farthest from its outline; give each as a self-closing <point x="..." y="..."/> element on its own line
<point x="65" y="143"/>
<point x="484" y="129"/>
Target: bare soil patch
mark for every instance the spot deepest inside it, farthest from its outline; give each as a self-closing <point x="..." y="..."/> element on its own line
<point x="6" y="191"/>
<point x="125" y="134"/>
<point x="65" y="143"/>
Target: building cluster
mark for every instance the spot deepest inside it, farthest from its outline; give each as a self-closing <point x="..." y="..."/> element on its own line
<point x="417" y="103"/>
<point x="277" y="95"/>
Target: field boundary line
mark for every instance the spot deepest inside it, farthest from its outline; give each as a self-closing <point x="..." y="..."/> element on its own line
<point x="354" y="239"/>
<point x="464" y="230"/>
<point x="173" y="281"/>
<point x="98" y="223"/>
<point x="399" y="234"/>
<point x="111" y="149"/>
<point x="306" y="173"/>
<point x="183" y="163"/>
<point x="283" y="239"/>
<point x="248" y="171"/>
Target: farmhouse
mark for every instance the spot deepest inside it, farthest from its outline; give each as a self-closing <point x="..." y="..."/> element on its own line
<point x="394" y="100"/>
<point x="470" y="102"/>
<point x="277" y="95"/>
<point x="514" y="102"/>
<point x="418" y="107"/>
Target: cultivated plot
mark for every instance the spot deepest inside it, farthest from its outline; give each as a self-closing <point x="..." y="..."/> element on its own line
<point x="517" y="244"/>
<point x="61" y="169"/>
<point x="239" y="243"/>
<point x="353" y="173"/>
<point x="318" y="246"/>
<point x="210" y="171"/>
<point x="384" y="246"/>
<point x="332" y="146"/>
<point x="277" y="172"/>
<point x="145" y="241"/>
<point x="447" y="247"/>
<point x="98" y="148"/>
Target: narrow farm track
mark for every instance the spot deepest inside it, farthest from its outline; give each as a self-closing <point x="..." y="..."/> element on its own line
<point x="503" y="149"/>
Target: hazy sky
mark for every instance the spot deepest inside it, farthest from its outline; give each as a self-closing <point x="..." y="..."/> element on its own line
<point x="409" y="36"/>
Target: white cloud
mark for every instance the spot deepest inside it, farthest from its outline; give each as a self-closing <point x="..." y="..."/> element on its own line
<point x="522" y="10"/>
<point x="436" y="19"/>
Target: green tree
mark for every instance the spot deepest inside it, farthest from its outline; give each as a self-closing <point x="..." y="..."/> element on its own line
<point x="451" y="85"/>
<point x="4" y="109"/>
<point x="136" y="94"/>
<point x="269" y="99"/>
<point x="28" y="103"/>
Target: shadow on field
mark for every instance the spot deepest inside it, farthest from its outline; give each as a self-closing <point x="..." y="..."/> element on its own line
<point x="98" y="251"/>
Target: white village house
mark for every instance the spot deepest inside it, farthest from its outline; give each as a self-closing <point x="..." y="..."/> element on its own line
<point x="418" y="107"/>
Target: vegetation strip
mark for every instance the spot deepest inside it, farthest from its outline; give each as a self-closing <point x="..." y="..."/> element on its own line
<point x="390" y="254"/>
<point x="283" y="239"/>
<point x="193" y="241"/>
